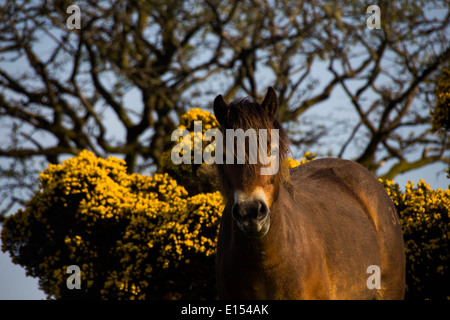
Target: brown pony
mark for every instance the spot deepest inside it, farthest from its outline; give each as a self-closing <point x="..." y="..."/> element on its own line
<point x="310" y="232"/>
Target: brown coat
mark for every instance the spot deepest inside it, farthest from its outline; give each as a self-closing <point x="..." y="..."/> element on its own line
<point x="322" y="238"/>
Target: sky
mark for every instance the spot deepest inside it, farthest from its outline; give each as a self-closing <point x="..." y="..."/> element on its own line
<point x="14" y="284"/>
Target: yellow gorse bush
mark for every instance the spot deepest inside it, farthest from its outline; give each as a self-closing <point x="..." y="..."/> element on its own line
<point x="208" y="121"/>
<point x="124" y="231"/>
<point x="424" y="214"/>
<point x="195" y="178"/>
<point x="140" y="237"/>
<point x="292" y="163"/>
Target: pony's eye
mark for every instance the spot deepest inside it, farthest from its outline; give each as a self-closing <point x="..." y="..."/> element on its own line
<point x="272" y="179"/>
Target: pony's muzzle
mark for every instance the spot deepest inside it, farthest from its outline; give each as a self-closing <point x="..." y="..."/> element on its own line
<point x="252" y="217"/>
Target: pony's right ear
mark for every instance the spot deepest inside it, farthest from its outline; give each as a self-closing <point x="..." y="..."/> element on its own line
<point x="220" y="108"/>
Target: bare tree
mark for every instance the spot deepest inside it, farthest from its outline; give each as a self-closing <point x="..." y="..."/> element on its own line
<point x="63" y="90"/>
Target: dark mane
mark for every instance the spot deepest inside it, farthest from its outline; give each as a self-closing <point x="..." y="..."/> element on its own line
<point x="246" y="113"/>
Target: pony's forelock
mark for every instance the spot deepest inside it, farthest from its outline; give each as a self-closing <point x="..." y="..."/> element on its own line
<point x="246" y="113"/>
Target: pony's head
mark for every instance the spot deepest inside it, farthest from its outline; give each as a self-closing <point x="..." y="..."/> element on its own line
<point x="251" y="177"/>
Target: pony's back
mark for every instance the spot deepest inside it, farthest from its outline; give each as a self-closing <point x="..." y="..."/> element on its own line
<point x="356" y="220"/>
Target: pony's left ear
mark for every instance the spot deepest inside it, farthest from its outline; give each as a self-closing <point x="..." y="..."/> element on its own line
<point x="270" y="103"/>
<point x="220" y="108"/>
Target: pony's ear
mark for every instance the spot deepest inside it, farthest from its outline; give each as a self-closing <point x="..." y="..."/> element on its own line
<point x="270" y="103"/>
<point x="220" y="108"/>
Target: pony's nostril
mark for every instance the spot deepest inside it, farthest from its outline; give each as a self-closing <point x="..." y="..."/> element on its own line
<point x="262" y="208"/>
<point x="244" y="212"/>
